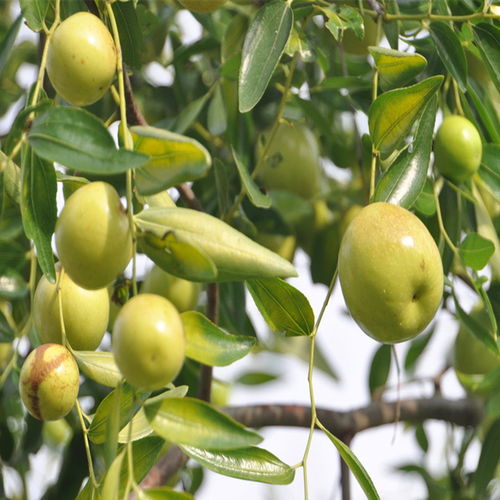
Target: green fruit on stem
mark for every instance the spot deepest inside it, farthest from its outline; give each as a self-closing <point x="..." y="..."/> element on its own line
<point x="82" y="58"/>
<point x="49" y="381"/>
<point x="359" y="46"/>
<point x="471" y="356"/>
<point x="148" y="341"/>
<point x="183" y="294"/>
<point x="56" y="433"/>
<point x="202" y="6"/>
<point x="391" y="273"/>
<point x="457" y="148"/>
<point x="292" y="161"/>
<point x="85" y="313"/>
<point x="93" y="236"/>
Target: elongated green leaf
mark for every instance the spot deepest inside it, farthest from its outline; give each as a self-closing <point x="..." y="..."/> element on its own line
<point x="235" y="256"/>
<point x="488" y="460"/>
<point x="396" y="68"/>
<point x="146" y="453"/>
<point x="178" y="257"/>
<point x="78" y="139"/>
<point x="417" y="347"/>
<point x="164" y="493"/>
<point x="216" y="115"/>
<point x="393" y="113"/>
<point x="405" y="179"/>
<point x="111" y="486"/>
<point x="131" y="37"/>
<point x="264" y="43"/>
<point x="490" y="168"/>
<point x="476" y="251"/>
<point x="173" y="159"/>
<point x="39" y="207"/>
<point x="355" y="466"/>
<point x="193" y="422"/>
<point x="426" y="203"/>
<point x="125" y="397"/>
<point x="8" y="42"/>
<point x="140" y="424"/>
<point x="380" y="368"/>
<point x="99" y="366"/>
<point x="284" y="308"/>
<point x="450" y="51"/>
<point x="208" y="344"/>
<point x="189" y="114"/>
<point x="487" y="38"/>
<point x="34" y="11"/>
<point x="251" y="464"/>
<point x="258" y="198"/>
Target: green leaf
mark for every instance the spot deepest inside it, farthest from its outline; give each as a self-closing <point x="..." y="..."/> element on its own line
<point x="380" y="368"/>
<point x="490" y="168"/>
<point x="164" y="493"/>
<point x="131" y="37"/>
<point x="111" y="486"/>
<point x="192" y="422"/>
<point x="250" y="464"/>
<point x="8" y="42"/>
<point x="79" y="140"/>
<point x="146" y="453"/>
<point x="421" y="437"/>
<point x="216" y="115"/>
<point x="140" y="424"/>
<point x="235" y="256"/>
<point x="487" y="37"/>
<point x="284" y="308"/>
<point x="265" y="41"/>
<point x="255" y="195"/>
<point x="99" y="366"/>
<point x="393" y="113"/>
<point x="34" y="11"/>
<point x="488" y="460"/>
<point x="190" y="113"/>
<point x="416" y="349"/>
<point x="476" y="251"/>
<point x="177" y="257"/>
<point x="333" y="24"/>
<point x="173" y="159"/>
<point x="39" y="207"/>
<point x="208" y="344"/>
<point x="355" y="466"/>
<point x="405" y="179"/>
<point x="450" y="51"/>
<point x="396" y="68"/>
<point x="426" y="202"/>
<point x="255" y="378"/>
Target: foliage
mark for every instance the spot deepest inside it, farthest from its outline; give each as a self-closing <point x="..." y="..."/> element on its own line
<point x="257" y="64"/>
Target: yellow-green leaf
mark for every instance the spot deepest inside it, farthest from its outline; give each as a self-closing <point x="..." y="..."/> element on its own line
<point x="208" y="344"/>
<point x="99" y="366"/>
<point x="393" y="113"/>
<point x="192" y="422"/>
<point x="174" y="159"/>
<point x="396" y="68"/>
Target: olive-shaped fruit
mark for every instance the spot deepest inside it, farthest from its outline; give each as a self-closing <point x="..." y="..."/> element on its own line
<point x="457" y="148"/>
<point x="93" y="236"/>
<point x="85" y="313"/>
<point x="81" y="60"/>
<point x="148" y="341"/>
<point x="391" y="273"/>
<point x="49" y="381"/>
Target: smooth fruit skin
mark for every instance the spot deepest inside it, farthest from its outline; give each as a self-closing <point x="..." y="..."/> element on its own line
<point x="85" y="313"/>
<point x="457" y="148"/>
<point x="81" y="61"/>
<point x="182" y="293"/>
<point x="471" y="357"/>
<point x="56" y="433"/>
<point x="391" y="273"/>
<point x="202" y="6"/>
<point x="93" y="236"/>
<point x="148" y="341"/>
<point x="359" y="46"/>
<point x="292" y="162"/>
<point x="49" y="381"/>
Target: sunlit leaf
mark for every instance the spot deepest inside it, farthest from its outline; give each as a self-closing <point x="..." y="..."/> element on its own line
<point x="99" y="366"/>
<point x="476" y="251"/>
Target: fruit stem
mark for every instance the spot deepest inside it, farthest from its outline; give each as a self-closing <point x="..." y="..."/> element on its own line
<point x="128" y="143"/>
<point x="87" y="445"/>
